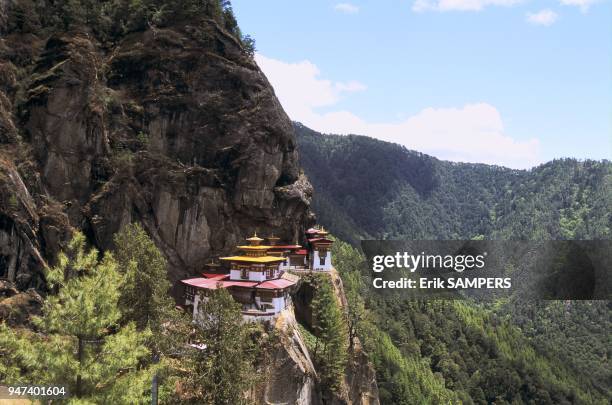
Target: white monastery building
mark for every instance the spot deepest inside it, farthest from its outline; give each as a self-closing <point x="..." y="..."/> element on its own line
<point x="259" y="277"/>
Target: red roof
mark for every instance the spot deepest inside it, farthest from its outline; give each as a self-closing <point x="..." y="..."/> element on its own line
<point x="286" y="247"/>
<point x="322" y="240"/>
<point x="214" y="276"/>
<point x="212" y="284"/>
<point x="275" y="284"/>
<point x="301" y="252"/>
<point x="239" y="283"/>
<point x="202" y="283"/>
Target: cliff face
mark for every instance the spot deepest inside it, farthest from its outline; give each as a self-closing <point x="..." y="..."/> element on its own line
<point x="290" y="377"/>
<point x="174" y="127"/>
<point x="359" y="386"/>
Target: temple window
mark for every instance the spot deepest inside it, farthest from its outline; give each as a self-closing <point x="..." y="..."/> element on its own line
<point x="189" y="293"/>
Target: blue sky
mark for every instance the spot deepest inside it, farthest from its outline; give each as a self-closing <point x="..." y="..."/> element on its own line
<point x="509" y="82"/>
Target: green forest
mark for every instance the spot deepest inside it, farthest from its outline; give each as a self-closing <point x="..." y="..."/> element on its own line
<point x="109" y="330"/>
<point x="503" y="352"/>
<point x="446" y="351"/>
<point x="369" y="189"/>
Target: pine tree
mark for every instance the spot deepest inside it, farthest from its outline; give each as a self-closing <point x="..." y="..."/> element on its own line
<point x="331" y="347"/>
<point x="351" y="263"/>
<point x="355" y="311"/>
<point x="145" y="297"/>
<point x="145" y="300"/>
<point x="223" y="371"/>
<point x="81" y="344"/>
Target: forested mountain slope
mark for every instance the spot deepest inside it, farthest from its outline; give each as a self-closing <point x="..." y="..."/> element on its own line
<point x="474" y="352"/>
<point x="366" y="188"/>
<point x="507" y="351"/>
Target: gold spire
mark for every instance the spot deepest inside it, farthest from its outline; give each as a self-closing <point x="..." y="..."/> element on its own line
<point x="255" y="240"/>
<point x="273" y="240"/>
<point x="212" y="265"/>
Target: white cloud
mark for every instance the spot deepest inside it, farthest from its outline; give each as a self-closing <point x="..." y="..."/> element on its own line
<point x="583" y="4"/>
<point x="470" y="133"/>
<point x="299" y="87"/>
<point x="350" y="86"/>
<point x="461" y="5"/>
<point x="347" y="8"/>
<point x="544" y="17"/>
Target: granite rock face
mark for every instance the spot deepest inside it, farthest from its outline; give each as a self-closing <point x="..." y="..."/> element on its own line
<point x="290" y="377"/>
<point x="174" y="127"/>
<point x="289" y="374"/>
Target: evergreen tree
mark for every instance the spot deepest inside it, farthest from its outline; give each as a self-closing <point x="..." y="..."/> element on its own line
<point x="145" y="300"/>
<point x="144" y="297"/>
<point x="221" y="371"/>
<point x="81" y="345"/>
<point x="330" y="353"/>
<point x="350" y="261"/>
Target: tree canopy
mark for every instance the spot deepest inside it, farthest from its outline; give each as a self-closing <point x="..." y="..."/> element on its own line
<point x="81" y="344"/>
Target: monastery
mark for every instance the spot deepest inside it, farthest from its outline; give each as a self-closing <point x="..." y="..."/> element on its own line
<point x="262" y="276"/>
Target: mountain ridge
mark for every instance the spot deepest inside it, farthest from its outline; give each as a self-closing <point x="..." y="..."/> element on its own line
<point x="509" y="349"/>
<point x="367" y="188"/>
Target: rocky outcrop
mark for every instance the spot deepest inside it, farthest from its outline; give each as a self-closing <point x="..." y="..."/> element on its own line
<point x="17" y="307"/>
<point x="175" y="127"/>
<point x="21" y="260"/>
<point x="289" y="375"/>
<point x="360" y="380"/>
<point x="359" y="386"/>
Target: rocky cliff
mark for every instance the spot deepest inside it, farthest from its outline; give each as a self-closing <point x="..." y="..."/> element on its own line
<point x="290" y="377"/>
<point x="359" y="385"/>
<point x="289" y="373"/>
<point x="173" y="126"/>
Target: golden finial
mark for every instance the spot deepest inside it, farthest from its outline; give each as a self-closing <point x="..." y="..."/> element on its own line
<point x="255" y="240"/>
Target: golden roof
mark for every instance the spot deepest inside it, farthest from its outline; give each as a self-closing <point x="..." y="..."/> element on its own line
<point x="254" y="247"/>
<point x="255" y="253"/>
<point x="251" y="259"/>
